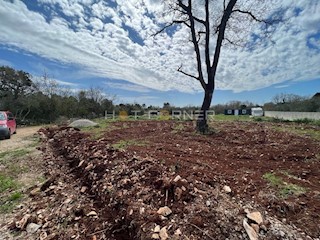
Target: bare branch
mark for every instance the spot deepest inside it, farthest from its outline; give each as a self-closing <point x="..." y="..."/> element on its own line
<point x="207" y="44"/>
<point x="252" y="16"/>
<point x="183" y="6"/>
<point x="199" y="20"/>
<point x="195" y="43"/>
<point x="199" y="35"/>
<point x="203" y="84"/>
<point x="222" y="28"/>
<point x="187" y="74"/>
<point x="170" y="25"/>
<point x="233" y="42"/>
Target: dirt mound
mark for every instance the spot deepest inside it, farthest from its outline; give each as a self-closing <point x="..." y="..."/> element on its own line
<point x="97" y="192"/>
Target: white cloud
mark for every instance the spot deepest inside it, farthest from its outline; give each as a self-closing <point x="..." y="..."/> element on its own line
<point x="5" y="63"/>
<point x="282" y="86"/>
<point x="128" y="87"/>
<point x="141" y="99"/>
<point x="65" y="83"/>
<point x="96" y="41"/>
<point x="96" y="23"/>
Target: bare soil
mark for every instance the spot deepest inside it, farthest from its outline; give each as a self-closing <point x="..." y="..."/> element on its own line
<point x="96" y="191"/>
<point x="19" y="140"/>
<point x="25" y="170"/>
<point x="238" y="155"/>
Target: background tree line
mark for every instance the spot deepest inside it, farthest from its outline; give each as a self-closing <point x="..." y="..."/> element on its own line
<point x="294" y="103"/>
<point x="43" y="100"/>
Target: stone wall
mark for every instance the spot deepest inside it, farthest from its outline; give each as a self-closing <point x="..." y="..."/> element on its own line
<point x="293" y="115"/>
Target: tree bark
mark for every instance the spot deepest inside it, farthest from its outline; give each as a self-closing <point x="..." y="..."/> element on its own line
<point x="202" y="121"/>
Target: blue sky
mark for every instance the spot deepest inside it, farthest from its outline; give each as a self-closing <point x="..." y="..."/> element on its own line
<point x="84" y="43"/>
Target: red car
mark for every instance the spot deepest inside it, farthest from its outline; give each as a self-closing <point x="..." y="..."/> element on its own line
<point x="8" y="124"/>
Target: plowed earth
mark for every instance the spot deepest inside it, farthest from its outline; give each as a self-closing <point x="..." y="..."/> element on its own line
<point x="96" y="191"/>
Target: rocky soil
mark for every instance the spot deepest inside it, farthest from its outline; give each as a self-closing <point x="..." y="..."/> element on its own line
<point x="170" y="183"/>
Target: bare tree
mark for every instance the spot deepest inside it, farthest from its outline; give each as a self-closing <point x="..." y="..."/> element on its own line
<point x="211" y="24"/>
<point x="47" y="85"/>
<point x="96" y="94"/>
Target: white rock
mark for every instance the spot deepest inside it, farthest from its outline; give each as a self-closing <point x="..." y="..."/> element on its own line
<point x="156" y="229"/>
<point x="155" y="236"/>
<point x="177" y="178"/>
<point x="178" y="232"/>
<point x="256" y="217"/>
<point x="163" y="218"/>
<point x="92" y="214"/>
<point x="208" y="203"/>
<point x="227" y="189"/>
<point x="32" y="227"/>
<point x="142" y="210"/>
<point x="164" y="211"/>
<point x="22" y="223"/>
<point x="250" y="231"/>
<point x="67" y="201"/>
<point x="163" y="233"/>
<point x="131" y="212"/>
<point x="83" y="189"/>
<point x="255" y="227"/>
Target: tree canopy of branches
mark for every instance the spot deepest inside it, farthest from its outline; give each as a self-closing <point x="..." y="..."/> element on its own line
<point x="14" y="83"/>
<point x="293" y="103"/>
<point x="211" y="23"/>
<point x="43" y="100"/>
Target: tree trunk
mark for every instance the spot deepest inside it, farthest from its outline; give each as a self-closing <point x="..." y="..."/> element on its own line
<point x="202" y="121"/>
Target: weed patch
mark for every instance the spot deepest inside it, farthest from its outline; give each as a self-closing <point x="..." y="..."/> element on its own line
<point x="222" y="117"/>
<point x="14" y="153"/>
<point x="291" y="189"/>
<point x="301" y="131"/>
<point x="10" y="202"/>
<point x="284" y="189"/>
<point x="274" y="180"/>
<point x="122" y="144"/>
<point x="7" y="183"/>
<point x="178" y="128"/>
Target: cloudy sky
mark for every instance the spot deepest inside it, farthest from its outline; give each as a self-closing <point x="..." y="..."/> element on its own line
<point x="84" y="43"/>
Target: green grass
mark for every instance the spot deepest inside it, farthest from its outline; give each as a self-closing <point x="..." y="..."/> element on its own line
<point x="15" y="163"/>
<point x="8" y="204"/>
<point x="35" y="141"/>
<point x="291" y="189"/>
<point x="178" y="128"/>
<point x="14" y="169"/>
<point x="274" y="180"/>
<point x="280" y="120"/>
<point x="123" y="144"/>
<point x="315" y="134"/>
<point x="14" y="153"/>
<point x="7" y="183"/>
<point x="298" y="130"/>
<point x="97" y="131"/>
<point x="15" y="196"/>
<point x="284" y="189"/>
<point x="222" y="117"/>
